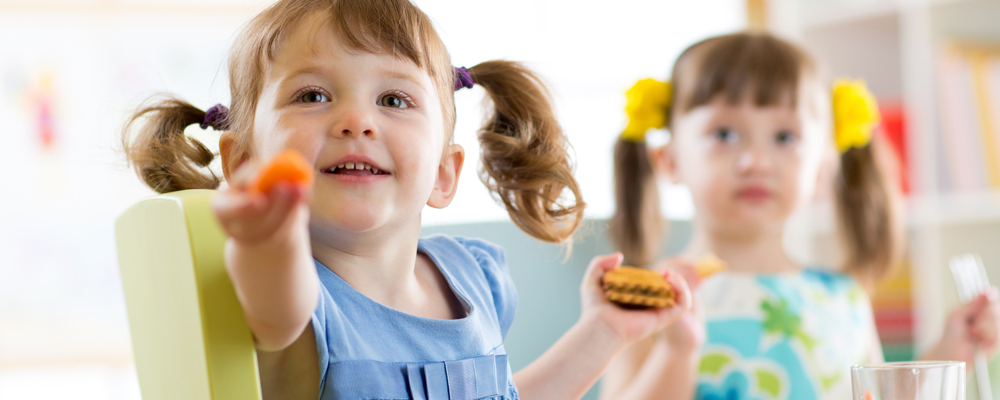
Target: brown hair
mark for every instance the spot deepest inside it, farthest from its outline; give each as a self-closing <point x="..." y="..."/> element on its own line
<point x="869" y="226"/>
<point x="770" y="71"/>
<point x="525" y="154"/>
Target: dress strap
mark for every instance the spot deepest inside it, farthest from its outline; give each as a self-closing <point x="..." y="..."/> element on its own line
<point x="476" y="378"/>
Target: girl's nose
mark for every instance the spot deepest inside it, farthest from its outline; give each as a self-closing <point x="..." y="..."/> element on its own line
<point x="355" y="122"/>
<point x="754" y="161"/>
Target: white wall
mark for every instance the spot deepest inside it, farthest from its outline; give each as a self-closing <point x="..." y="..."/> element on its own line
<point x="590" y="52"/>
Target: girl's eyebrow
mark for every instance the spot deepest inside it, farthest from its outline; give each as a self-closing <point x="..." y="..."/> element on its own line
<point x="306" y="70"/>
<point x="397" y="74"/>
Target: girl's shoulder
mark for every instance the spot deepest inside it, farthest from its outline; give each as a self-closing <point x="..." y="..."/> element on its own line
<point x="478" y="267"/>
<point x="463" y="250"/>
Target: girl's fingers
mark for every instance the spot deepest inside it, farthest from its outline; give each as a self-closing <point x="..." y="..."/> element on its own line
<point x="284" y="199"/>
<point x="234" y="204"/>
<point x="601" y="264"/>
<point x="243" y="175"/>
<point x="986" y="322"/>
<point x="683" y="292"/>
<point x="590" y="288"/>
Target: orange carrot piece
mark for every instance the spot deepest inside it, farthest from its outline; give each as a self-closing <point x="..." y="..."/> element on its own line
<point x="289" y="166"/>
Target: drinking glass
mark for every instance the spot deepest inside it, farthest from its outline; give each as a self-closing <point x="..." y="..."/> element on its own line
<point x="926" y="380"/>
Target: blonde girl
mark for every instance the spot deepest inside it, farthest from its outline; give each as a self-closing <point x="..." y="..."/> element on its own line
<point x="751" y="123"/>
<point x="343" y="298"/>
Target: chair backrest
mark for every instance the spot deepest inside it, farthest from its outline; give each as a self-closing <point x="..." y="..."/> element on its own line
<point x="189" y="337"/>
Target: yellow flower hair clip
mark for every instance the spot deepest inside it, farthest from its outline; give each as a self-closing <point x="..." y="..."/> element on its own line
<point x="647" y="104"/>
<point x="855" y="114"/>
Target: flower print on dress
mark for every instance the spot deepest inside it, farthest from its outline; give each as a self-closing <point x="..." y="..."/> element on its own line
<point x="736" y="386"/>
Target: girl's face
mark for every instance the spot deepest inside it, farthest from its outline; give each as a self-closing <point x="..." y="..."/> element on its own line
<point x="341" y="107"/>
<point x="747" y="167"/>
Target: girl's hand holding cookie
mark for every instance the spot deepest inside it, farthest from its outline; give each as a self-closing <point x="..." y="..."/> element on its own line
<point x="265" y="202"/>
<point x="629" y="325"/>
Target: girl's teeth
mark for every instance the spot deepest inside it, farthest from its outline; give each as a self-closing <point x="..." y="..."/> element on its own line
<point x="357" y="166"/>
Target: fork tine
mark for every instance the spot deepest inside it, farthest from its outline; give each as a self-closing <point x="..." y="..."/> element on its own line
<point x="971" y="287"/>
<point x="971" y="273"/>
<point x="984" y="278"/>
<point x="957" y="276"/>
<point x="961" y="280"/>
<point x="972" y="267"/>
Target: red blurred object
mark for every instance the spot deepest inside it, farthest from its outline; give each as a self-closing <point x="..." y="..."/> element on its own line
<point x="46" y="126"/>
<point x="894" y="130"/>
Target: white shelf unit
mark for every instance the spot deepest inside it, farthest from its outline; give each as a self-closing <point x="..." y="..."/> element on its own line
<point x="893" y="45"/>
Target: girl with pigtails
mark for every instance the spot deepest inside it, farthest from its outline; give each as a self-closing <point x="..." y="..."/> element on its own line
<point x="751" y="123"/>
<point x="343" y="298"/>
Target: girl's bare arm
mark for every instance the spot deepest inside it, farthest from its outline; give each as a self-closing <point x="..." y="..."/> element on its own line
<point x="575" y="362"/>
<point x="269" y="261"/>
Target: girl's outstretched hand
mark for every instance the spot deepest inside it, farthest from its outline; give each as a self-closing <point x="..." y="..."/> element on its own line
<point x="629" y="325"/>
<point x="252" y="217"/>
<point x="268" y="255"/>
<point x="971" y="324"/>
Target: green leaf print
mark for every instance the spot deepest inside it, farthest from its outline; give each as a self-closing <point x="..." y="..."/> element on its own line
<point x="712" y="364"/>
<point x="779" y="319"/>
<point x="768" y="383"/>
<point x="828" y="380"/>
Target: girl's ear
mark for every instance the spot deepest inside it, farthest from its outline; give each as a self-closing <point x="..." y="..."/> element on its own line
<point x="446" y="184"/>
<point x="232" y="155"/>
<point x="665" y="162"/>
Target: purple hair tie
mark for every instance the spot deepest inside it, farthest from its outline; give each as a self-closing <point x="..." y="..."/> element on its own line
<point x="462" y="78"/>
<point x="216" y="117"/>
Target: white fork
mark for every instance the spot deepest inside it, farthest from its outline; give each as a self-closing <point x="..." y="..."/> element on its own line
<point x="971" y="280"/>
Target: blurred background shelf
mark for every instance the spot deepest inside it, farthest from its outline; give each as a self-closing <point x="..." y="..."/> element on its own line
<point x="936" y="61"/>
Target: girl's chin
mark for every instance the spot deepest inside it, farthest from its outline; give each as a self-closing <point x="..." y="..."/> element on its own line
<point x="756" y="219"/>
<point x="358" y="221"/>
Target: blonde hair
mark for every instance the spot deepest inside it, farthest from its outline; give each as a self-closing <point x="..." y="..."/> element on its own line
<point x="525" y="158"/>
<point x="769" y="70"/>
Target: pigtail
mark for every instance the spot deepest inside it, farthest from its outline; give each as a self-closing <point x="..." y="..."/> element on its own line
<point x="637" y="226"/>
<point x="163" y="157"/>
<point x="525" y="161"/>
<point x="868" y="224"/>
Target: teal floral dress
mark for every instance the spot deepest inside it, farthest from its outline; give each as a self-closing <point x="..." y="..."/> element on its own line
<point x="782" y="336"/>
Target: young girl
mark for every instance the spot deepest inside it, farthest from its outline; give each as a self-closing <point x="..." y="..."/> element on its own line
<point x="343" y="299"/>
<point x="751" y="124"/>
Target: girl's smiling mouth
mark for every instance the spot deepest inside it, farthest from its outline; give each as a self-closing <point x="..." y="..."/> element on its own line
<point x="355" y="169"/>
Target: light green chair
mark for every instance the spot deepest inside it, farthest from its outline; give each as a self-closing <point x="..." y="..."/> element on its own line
<point x="188" y="333"/>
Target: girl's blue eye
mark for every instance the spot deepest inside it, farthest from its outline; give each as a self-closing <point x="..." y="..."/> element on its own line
<point x="785" y="137"/>
<point x="393" y="100"/>
<point x="725" y="135"/>
<point x="314" y="97"/>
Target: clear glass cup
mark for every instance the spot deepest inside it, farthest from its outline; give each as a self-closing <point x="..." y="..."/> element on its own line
<point x="925" y="380"/>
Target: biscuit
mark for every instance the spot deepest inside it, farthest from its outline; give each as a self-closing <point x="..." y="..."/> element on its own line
<point x="708" y="266"/>
<point x="638" y="287"/>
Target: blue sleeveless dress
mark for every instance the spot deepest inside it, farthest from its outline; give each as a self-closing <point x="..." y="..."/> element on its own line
<point x="791" y="336"/>
<point x="368" y="351"/>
